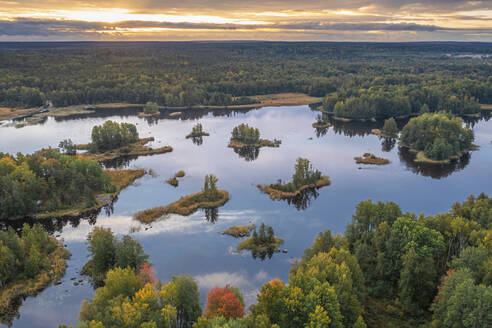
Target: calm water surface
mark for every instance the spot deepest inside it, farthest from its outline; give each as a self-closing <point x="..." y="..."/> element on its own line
<point x="194" y="245"/>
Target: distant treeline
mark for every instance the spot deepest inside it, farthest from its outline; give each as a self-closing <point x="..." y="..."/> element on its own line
<point x="369" y="79"/>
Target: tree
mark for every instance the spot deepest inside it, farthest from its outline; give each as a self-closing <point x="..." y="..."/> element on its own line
<point x="223" y="302"/>
<point x="461" y="303"/>
<point x="210" y="187"/>
<point x="151" y="108"/>
<point x="390" y="128"/>
<point x="67" y="147"/>
<point x="182" y="293"/>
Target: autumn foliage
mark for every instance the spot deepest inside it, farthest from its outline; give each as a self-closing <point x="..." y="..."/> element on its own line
<point x="147" y="273"/>
<point x="223" y="302"/>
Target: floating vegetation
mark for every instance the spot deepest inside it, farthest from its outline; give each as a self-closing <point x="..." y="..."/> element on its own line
<point x="369" y="158"/>
<point x="197" y="132"/>
<point x="239" y="231"/>
<point x="305" y="177"/>
<point x="262" y="243"/>
<point x="209" y="197"/>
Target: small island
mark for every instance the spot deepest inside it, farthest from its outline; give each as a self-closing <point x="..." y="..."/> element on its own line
<point x="437" y="138"/>
<point x="150" y="109"/>
<point x="321" y="122"/>
<point x="30" y="262"/>
<point x="113" y="140"/>
<point x="209" y="197"/>
<point x="239" y="231"/>
<point x="197" y="132"/>
<point x="389" y="130"/>
<point x="173" y="181"/>
<point x="369" y="158"/>
<point x="305" y="177"/>
<point x="261" y="243"/>
<point x="244" y="136"/>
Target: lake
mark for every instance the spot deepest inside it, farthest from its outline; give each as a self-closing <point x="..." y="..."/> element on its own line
<point x="194" y="245"/>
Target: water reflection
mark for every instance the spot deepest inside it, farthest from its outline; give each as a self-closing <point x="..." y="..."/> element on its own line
<point x="387" y="144"/>
<point x="212" y="214"/>
<point x="435" y="171"/>
<point x="119" y="162"/>
<point x="248" y="153"/>
<point x="320" y="132"/>
<point x="262" y="255"/>
<point x="197" y="140"/>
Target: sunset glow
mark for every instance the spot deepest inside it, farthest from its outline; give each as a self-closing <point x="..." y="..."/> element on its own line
<point x="159" y="20"/>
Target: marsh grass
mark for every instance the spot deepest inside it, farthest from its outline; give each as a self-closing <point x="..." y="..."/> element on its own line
<point x="184" y="206"/>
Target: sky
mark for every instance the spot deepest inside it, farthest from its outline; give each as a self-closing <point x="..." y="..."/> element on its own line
<point x="287" y="20"/>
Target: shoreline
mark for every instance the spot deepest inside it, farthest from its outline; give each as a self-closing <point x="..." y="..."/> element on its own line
<point x="268" y="100"/>
<point x="180" y="207"/>
<point x="279" y="194"/>
<point x="119" y="178"/>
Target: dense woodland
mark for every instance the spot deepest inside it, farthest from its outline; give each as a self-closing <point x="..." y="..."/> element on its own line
<point x="389" y="269"/>
<point x="48" y="180"/>
<point x="112" y="135"/>
<point x="360" y="80"/>
<point x="440" y="136"/>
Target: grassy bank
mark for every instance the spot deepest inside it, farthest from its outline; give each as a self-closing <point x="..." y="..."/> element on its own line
<point x="379" y="133"/>
<point x="259" y="144"/>
<point x="136" y="149"/>
<point x="239" y="231"/>
<point x="277" y="99"/>
<point x="279" y="194"/>
<point x="369" y="158"/>
<point x="12" y="293"/>
<point x="323" y="125"/>
<point x="184" y="206"/>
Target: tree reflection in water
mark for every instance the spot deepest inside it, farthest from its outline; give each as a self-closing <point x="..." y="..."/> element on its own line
<point x="197" y="140"/>
<point x="263" y="255"/>
<point x="119" y="162"/>
<point x="387" y="144"/>
<point x="248" y="153"/>
<point x="212" y="214"/>
<point x="320" y="132"/>
<point x="435" y="171"/>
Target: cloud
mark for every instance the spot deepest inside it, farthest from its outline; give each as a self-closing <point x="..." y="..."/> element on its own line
<point x="40" y="27"/>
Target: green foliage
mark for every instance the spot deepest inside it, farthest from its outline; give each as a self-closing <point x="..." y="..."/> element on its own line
<point x="47" y="181"/>
<point x="393" y="77"/>
<point x="477" y="209"/>
<point x="245" y="134"/>
<point x="390" y="128"/>
<point x="151" y="108"/>
<point x="304" y="174"/>
<point x="112" y="135"/>
<point x="182" y="294"/>
<point x="67" y="147"/>
<point x="24" y="256"/>
<point x="440" y="135"/>
<point x="462" y="303"/>
<point x="107" y="252"/>
<point x="210" y="188"/>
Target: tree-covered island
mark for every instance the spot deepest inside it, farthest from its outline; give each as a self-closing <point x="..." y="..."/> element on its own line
<point x="261" y="243"/>
<point x="244" y="136"/>
<point x="304" y="177"/>
<point x="209" y="197"/>
<point x="113" y="140"/>
<point x="197" y="132"/>
<point x="437" y="138"/>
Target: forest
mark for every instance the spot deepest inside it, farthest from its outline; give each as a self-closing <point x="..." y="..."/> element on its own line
<point x="389" y="269"/>
<point x="379" y="80"/>
<point x="48" y="180"/>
